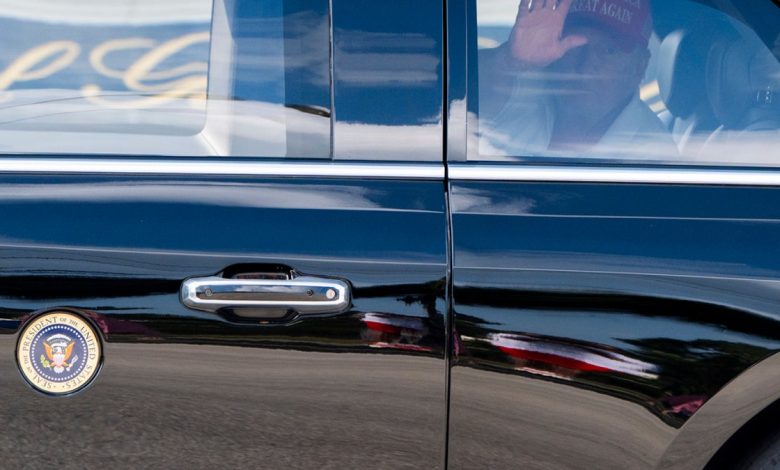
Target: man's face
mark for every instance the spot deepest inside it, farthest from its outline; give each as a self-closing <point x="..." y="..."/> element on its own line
<point x="596" y="79"/>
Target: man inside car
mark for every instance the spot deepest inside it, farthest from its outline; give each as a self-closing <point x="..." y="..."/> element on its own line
<point x="566" y="82"/>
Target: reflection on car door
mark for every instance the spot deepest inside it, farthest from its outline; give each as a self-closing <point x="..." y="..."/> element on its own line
<point x="186" y="387"/>
<point x="218" y="382"/>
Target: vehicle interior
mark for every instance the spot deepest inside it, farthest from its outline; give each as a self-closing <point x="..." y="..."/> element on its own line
<point x="712" y="79"/>
<point x="717" y="72"/>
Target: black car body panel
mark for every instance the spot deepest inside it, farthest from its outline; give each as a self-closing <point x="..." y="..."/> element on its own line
<point x="186" y="388"/>
<point x="504" y="310"/>
<point x="601" y="310"/>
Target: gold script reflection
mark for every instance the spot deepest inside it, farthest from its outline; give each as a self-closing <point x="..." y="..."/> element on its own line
<point x="143" y="77"/>
<point x="187" y="81"/>
<point x="39" y="62"/>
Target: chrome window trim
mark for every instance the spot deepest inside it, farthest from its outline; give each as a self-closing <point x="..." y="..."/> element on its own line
<point x="456" y="171"/>
<point x="574" y="174"/>
<point x="174" y="166"/>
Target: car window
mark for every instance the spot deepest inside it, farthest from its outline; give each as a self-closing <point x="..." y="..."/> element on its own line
<point x="672" y="82"/>
<point x="140" y="77"/>
<point x="237" y="78"/>
<point x="388" y="80"/>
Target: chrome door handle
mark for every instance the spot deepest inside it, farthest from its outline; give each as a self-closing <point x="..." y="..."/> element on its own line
<point x="303" y="294"/>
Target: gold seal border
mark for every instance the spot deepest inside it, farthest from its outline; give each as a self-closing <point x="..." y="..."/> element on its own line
<point x="94" y="353"/>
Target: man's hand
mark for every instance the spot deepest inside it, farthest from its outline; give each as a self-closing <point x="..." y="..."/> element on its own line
<point x="536" y="40"/>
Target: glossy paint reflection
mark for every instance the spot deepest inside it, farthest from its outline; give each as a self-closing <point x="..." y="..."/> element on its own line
<point x="387" y="331"/>
<point x="593" y="321"/>
<point x="615" y="344"/>
<point x="203" y="389"/>
<point x="136" y="209"/>
<point x="197" y="406"/>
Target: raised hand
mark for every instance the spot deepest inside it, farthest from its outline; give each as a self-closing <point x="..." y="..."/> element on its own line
<point x="536" y="36"/>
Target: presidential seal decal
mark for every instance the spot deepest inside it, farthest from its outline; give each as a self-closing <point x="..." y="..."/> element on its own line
<point x="58" y="353"/>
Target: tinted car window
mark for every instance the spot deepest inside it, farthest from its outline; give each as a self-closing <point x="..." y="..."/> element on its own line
<point x="228" y="78"/>
<point x="388" y="80"/>
<point x="188" y="78"/>
<point x="627" y="80"/>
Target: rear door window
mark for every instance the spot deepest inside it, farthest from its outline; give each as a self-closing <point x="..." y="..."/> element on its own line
<point x="626" y="80"/>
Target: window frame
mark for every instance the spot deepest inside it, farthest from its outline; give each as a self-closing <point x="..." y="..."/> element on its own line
<point x="463" y="140"/>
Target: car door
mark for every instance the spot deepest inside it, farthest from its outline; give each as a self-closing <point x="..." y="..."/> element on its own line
<point x="232" y="213"/>
<point x="609" y="296"/>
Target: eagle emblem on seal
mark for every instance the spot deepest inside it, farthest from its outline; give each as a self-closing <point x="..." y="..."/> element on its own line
<point x="58" y="351"/>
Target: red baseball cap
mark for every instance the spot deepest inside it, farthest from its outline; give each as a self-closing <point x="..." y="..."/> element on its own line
<point x="628" y="20"/>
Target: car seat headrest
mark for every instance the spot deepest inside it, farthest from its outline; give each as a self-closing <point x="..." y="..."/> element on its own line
<point x="743" y="83"/>
<point x="678" y="72"/>
<point x="682" y="65"/>
<point x="719" y="70"/>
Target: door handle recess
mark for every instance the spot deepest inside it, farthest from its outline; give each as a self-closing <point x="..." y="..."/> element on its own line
<point x="305" y="294"/>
